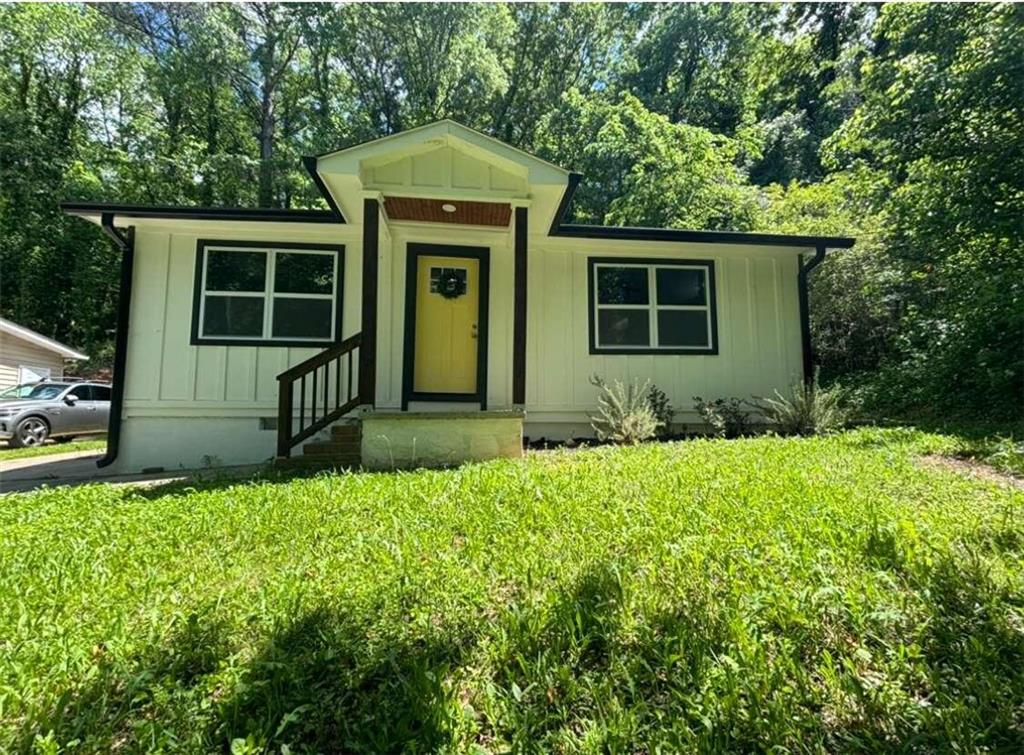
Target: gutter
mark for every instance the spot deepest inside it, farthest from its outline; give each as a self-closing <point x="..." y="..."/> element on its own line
<point x="126" y="243"/>
<point x="805" y="309"/>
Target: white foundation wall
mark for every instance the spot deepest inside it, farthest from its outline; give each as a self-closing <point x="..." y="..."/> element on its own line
<point x="759" y="344"/>
<point x="192" y="442"/>
<point x="191" y="406"/>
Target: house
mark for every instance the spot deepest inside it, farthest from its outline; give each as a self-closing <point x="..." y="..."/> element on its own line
<point x="443" y="299"/>
<point x="27" y="356"/>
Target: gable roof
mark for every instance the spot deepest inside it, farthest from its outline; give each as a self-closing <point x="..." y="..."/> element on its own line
<point x="432" y="135"/>
<point x="38" y="339"/>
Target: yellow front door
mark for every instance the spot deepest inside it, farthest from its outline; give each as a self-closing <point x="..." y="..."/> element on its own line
<point x="447" y="318"/>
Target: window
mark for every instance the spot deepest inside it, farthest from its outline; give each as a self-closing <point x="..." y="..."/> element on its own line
<point x="100" y="393"/>
<point x="281" y="294"/>
<point x="652" y="306"/>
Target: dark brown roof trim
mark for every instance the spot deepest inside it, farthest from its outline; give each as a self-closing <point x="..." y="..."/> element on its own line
<point x="632" y="233"/>
<point x="262" y="214"/>
<point x="309" y="163"/>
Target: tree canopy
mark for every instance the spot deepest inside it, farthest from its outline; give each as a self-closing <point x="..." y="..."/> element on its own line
<point x="902" y="125"/>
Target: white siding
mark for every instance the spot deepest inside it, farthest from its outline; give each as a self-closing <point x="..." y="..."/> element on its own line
<point x="168" y="376"/>
<point x="16" y="352"/>
<point x="758" y="328"/>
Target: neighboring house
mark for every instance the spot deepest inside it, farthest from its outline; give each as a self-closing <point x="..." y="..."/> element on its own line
<point x="444" y="277"/>
<point x="28" y="357"/>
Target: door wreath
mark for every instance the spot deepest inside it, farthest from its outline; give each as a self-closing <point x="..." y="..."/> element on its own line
<point x="451" y="283"/>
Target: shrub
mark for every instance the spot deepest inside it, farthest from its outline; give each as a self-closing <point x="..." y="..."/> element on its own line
<point x="725" y="417"/>
<point x="623" y="412"/>
<point x="809" y="410"/>
<point x="662" y="409"/>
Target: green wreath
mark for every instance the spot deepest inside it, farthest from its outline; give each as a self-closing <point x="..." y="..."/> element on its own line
<point x="451" y="284"/>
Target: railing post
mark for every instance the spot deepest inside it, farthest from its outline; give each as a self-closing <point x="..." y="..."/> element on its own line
<point x="287" y="436"/>
<point x="284" y="418"/>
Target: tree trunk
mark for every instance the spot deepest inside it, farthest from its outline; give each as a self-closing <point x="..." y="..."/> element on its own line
<point x="266" y="190"/>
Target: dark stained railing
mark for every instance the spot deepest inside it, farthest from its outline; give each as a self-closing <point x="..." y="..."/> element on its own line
<point x="325" y="393"/>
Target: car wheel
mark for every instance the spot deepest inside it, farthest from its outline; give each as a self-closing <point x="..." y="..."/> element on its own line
<point x="31" y="431"/>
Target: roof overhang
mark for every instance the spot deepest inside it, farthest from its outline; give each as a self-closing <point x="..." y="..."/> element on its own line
<point x="38" y="339"/>
<point x="627" y="233"/>
<point x="94" y="212"/>
<point x="633" y="233"/>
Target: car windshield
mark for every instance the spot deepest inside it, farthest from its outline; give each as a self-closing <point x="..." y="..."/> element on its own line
<point x="39" y="391"/>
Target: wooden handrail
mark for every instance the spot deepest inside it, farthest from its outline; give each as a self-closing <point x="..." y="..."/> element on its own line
<point x="319" y="397"/>
<point x="322" y="358"/>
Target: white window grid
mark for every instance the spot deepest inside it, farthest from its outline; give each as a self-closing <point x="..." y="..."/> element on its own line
<point x="652" y="306"/>
<point x="268" y="294"/>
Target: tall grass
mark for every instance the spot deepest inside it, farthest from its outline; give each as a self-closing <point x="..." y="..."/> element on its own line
<point x="802" y="594"/>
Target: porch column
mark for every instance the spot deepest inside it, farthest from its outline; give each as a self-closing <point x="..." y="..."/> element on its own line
<point x="519" y="309"/>
<point x="368" y="349"/>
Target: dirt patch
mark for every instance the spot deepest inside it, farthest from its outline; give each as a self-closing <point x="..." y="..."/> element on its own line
<point x="971" y="468"/>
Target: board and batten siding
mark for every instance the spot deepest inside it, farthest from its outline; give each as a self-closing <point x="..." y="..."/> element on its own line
<point x="166" y="375"/>
<point x="759" y="348"/>
<point x="16" y="353"/>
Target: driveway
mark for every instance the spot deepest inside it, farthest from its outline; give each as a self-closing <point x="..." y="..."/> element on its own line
<point x="79" y="468"/>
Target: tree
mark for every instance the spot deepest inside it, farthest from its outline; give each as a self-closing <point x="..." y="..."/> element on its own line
<point x="942" y="126"/>
<point x="642" y="169"/>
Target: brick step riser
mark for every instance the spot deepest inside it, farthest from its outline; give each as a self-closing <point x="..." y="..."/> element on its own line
<point x="331" y="448"/>
<point x="305" y="462"/>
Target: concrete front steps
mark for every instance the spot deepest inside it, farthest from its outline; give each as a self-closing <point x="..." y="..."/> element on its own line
<point x="340" y="450"/>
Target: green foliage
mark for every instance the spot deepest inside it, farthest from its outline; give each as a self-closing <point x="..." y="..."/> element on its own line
<point x="624" y="412"/>
<point x="808" y="410"/>
<point x="760" y="594"/>
<point x="725" y="417"/>
<point x="643" y="169"/>
<point x="661" y="408"/>
<point x="942" y="126"/>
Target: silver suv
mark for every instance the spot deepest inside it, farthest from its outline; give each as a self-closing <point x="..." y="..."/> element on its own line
<point x="31" y="413"/>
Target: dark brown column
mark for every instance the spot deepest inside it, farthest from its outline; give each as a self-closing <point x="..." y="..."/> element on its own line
<point x="368" y="349"/>
<point x="519" y="310"/>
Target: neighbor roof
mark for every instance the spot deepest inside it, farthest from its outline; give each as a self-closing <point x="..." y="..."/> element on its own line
<point x="38" y="339"/>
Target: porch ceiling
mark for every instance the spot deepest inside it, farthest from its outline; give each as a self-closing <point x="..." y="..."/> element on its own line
<point x="496" y="214"/>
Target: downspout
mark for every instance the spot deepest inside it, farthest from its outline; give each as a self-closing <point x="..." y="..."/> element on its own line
<point x="805" y="309"/>
<point x="126" y="243"/>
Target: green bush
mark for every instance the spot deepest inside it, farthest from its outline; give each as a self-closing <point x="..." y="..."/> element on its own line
<point x="624" y="413"/>
<point x="662" y="409"/>
<point x="725" y="417"/>
<point x="809" y="410"/>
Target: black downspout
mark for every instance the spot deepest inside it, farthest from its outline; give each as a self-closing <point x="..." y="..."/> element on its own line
<point x="805" y="310"/>
<point x="126" y="243"/>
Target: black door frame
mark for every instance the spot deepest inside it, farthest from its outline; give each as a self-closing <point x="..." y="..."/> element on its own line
<point x="412" y="254"/>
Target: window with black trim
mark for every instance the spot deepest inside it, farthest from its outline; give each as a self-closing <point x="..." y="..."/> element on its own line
<point x="280" y="294"/>
<point x="652" y="306"/>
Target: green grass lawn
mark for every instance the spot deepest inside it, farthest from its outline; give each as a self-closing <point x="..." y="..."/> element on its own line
<point x="9" y="454"/>
<point x="819" y="594"/>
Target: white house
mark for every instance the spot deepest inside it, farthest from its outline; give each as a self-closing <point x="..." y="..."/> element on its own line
<point x="27" y="356"/>
<point x="443" y="286"/>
